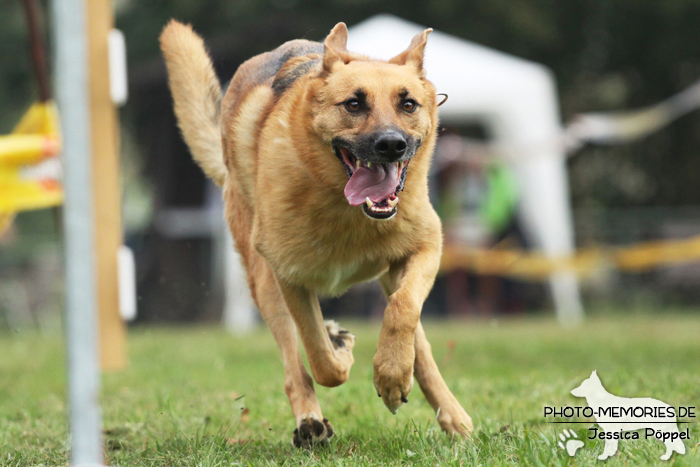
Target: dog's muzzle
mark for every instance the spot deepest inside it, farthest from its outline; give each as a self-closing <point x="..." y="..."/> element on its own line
<point x="375" y="180"/>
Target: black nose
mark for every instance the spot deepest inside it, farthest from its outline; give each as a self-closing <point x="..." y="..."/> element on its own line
<point x="391" y="145"/>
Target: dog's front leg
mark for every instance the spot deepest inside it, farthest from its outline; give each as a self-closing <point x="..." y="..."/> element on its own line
<point x="412" y="280"/>
<point x="452" y="417"/>
<point x="328" y="347"/>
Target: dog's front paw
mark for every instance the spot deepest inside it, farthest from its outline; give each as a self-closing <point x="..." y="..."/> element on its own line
<point x="393" y="374"/>
<point x="312" y="432"/>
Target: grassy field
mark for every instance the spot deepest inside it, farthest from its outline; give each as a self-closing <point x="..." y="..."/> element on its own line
<point x="199" y="397"/>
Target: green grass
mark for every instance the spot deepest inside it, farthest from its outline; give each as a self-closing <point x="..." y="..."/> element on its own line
<point x="199" y="397"/>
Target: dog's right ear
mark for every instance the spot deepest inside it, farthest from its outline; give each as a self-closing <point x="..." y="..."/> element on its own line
<point x="336" y="51"/>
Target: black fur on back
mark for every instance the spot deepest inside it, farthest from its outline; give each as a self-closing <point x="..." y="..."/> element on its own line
<point x="283" y="82"/>
<point x="265" y="69"/>
<point x="284" y="53"/>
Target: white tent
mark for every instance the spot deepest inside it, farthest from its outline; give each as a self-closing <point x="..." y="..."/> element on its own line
<point x="517" y="101"/>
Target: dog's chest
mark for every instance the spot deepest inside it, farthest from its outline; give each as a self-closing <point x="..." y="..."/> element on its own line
<point x="327" y="253"/>
<point x="333" y="277"/>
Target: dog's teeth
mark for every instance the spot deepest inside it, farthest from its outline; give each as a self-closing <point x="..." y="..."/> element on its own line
<point x="393" y="202"/>
<point x="369" y="164"/>
<point x="358" y="163"/>
<point x="369" y="202"/>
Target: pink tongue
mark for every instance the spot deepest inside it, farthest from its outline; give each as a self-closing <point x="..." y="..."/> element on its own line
<point x="376" y="183"/>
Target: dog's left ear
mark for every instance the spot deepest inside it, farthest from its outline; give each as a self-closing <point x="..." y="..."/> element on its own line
<point x="413" y="55"/>
<point x="336" y="47"/>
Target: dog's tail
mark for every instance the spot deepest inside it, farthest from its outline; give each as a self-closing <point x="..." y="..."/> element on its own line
<point x="197" y="94"/>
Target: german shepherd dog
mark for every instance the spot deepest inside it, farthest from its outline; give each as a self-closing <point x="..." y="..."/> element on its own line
<point x="323" y="158"/>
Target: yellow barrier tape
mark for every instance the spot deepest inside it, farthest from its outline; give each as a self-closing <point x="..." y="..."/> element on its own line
<point x="649" y="255"/>
<point x="29" y="167"/>
<point x="526" y="265"/>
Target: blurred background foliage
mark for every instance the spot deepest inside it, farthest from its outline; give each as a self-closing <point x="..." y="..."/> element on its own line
<point x="606" y="54"/>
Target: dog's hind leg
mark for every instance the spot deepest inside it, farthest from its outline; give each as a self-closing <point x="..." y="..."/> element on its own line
<point x="450" y="415"/>
<point x="328" y="347"/>
<point x="311" y="427"/>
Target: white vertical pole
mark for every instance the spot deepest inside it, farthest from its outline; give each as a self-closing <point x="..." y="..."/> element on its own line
<point x="239" y="309"/>
<point x="71" y="72"/>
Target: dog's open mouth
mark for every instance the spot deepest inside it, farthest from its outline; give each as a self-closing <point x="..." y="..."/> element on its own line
<point x="374" y="186"/>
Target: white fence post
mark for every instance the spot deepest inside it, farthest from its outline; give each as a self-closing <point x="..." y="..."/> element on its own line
<point x="239" y="310"/>
<point x="72" y="87"/>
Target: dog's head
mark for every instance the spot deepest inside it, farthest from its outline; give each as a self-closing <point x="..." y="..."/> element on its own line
<point x="378" y="117"/>
<point x="590" y="387"/>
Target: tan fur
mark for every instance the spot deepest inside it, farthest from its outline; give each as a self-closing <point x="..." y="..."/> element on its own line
<point x="296" y="232"/>
<point x="197" y="96"/>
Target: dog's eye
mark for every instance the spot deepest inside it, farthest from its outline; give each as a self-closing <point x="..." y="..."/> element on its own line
<point x="353" y="105"/>
<point x="409" y="105"/>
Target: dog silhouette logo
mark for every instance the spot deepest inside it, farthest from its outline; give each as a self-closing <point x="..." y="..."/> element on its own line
<point x="621" y="417"/>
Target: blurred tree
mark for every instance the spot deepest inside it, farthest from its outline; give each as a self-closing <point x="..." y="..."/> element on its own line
<point x="17" y="89"/>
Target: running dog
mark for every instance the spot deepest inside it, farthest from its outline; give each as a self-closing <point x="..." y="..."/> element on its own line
<point x="323" y="157"/>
